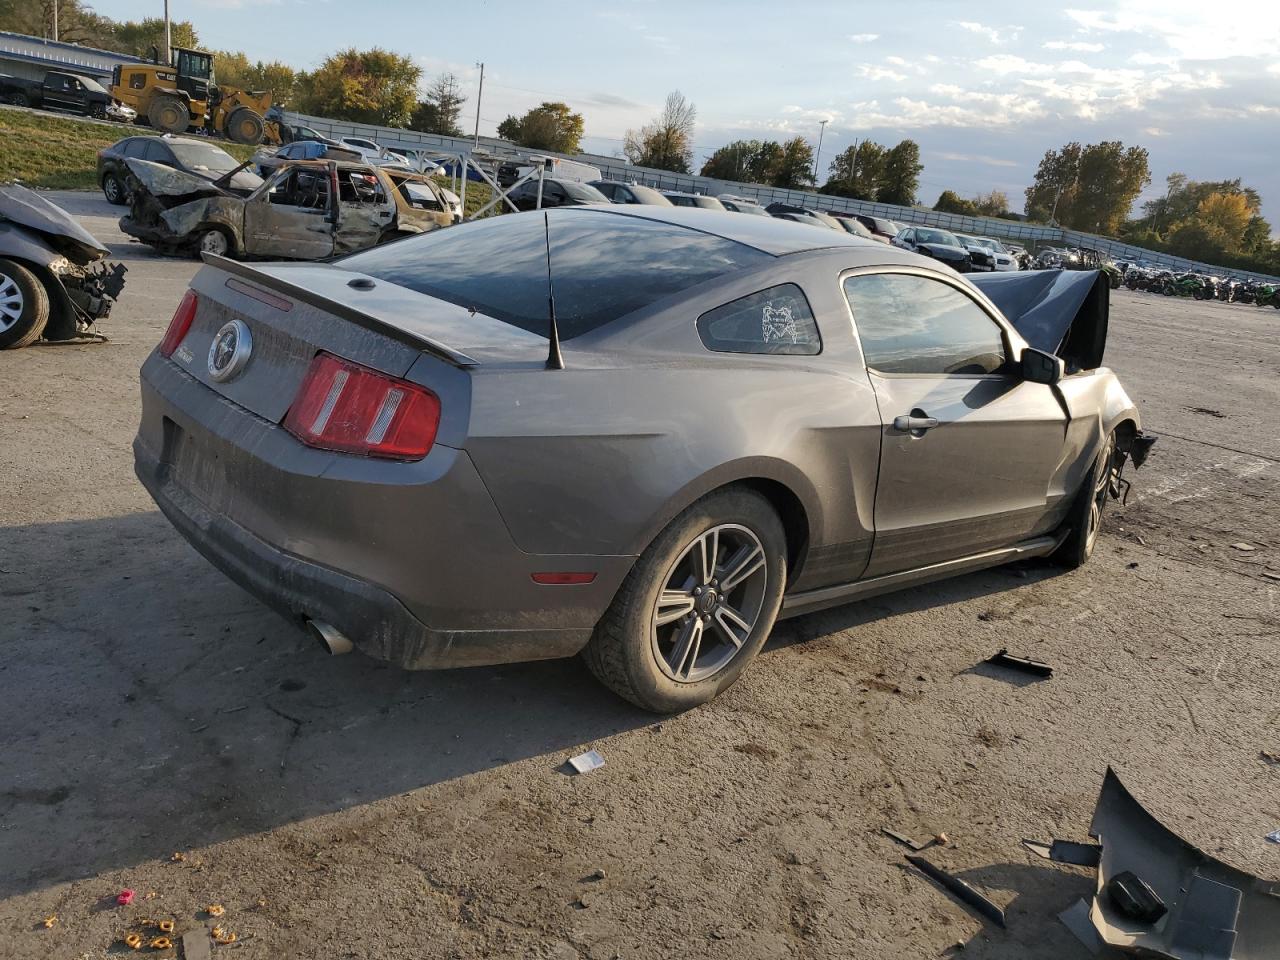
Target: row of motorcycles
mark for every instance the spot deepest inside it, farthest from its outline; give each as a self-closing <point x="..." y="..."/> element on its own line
<point x="1201" y="286"/>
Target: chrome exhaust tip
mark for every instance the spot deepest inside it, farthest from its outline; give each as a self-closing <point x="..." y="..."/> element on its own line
<point x="330" y="637"/>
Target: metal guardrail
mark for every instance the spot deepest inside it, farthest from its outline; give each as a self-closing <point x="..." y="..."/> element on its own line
<point x="1025" y="233"/>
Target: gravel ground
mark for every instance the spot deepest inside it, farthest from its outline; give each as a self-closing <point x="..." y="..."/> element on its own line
<point x="339" y="808"/>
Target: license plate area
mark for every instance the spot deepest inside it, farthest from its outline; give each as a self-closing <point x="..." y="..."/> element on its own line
<point x="198" y="472"/>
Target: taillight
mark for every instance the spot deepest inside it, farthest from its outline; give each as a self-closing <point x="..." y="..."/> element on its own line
<point x="345" y="407"/>
<point x="179" y="325"/>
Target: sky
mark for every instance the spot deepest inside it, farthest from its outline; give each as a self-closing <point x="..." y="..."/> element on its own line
<point x="984" y="88"/>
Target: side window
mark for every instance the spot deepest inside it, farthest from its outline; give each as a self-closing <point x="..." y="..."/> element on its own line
<point x="135" y="148"/>
<point x="773" y="321"/>
<point x="137" y="81"/>
<point x="553" y="191"/>
<point x="912" y="324"/>
<point x="156" y="153"/>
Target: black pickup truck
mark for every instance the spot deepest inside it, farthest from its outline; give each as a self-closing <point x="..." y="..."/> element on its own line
<point x="57" y="91"/>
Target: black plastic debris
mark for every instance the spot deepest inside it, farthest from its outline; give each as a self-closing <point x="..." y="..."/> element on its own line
<point x="962" y="890"/>
<point x="1066" y="851"/>
<point x="1003" y="658"/>
<point x="1133" y="897"/>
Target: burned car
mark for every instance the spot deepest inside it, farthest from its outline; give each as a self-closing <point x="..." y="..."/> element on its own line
<point x="640" y="433"/>
<point x="304" y="210"/>
<point x="55" y="281"/>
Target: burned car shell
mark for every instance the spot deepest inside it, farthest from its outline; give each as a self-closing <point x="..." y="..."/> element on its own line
<point x="67" y="259"/>
<point x="347" y="207"/>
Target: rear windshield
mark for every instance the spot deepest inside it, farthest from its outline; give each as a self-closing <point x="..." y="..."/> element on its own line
<point x="202" y="156"/>
<point x="603" y="265"/>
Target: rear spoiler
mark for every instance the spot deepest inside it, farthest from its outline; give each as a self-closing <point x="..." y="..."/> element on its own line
<point x="1064" y="312"/>
<point x="339" y="309"/>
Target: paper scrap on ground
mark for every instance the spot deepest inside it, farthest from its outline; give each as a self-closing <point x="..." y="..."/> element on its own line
<point x="586" y="762"/>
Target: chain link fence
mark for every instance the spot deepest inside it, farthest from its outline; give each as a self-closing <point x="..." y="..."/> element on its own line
<point x="1032" y="236"/>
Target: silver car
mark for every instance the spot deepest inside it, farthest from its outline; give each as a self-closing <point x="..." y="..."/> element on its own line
<point x="638" y="433"/>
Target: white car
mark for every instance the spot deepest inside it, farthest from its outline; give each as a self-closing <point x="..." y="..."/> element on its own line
<point x="373" y="152"/>
<point x="121" y="112"/>
<point x="416" y="160"/>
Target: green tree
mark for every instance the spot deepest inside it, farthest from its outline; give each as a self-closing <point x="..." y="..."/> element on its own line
<point x="738" y="160"/>
<point x="857" y="172"/>
<point x="900" y="174"/>
<point x="991" y="204"/>
<point x="548" y="126"/>
<point x="667" y="142"/>
<point x="439" y="111"/>
<point x="234" y="69"/>
<point x="139" y="36"/>
<point x="363" y="86"/>
<point x="77" y="23"/>
<point x="951" y="202"/>
<point x="1088" y="187"/>
<point x="795" y="168"/>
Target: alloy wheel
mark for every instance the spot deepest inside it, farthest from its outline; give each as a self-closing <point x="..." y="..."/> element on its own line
<point x="111" y="187"/>
<point x="1101" y="490"/>
<point x="11" y="302"/>
<point x="709" y="604"/>
<point x="215" y="242"/>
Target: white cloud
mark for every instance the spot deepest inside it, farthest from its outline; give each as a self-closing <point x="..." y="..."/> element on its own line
<point x="991" y="33"/>
<point x="983" y="110"/>
<point x="872" y="72"/>
<point x="1005" y="64"/>
<point x="1077" y="45"/>
<point x="978" y="158"/>
<point x="864" y="37"/>
<point x="1193" y="31"/>
<point x="1155" y="132"/>
<point x="1274" y="68"/>
<point x="896" y="61"/>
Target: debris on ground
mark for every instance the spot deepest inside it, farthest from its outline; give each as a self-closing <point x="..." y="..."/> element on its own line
<point x="178" y="856"/>
<point x="1267" y="756"/>
<point x="1244" y="547"/>
<point x="1274" y="836"/>
<point x="903" y="839"/>
<point x="125" y="897"/>
<point x="596" y="874"/>
<point x="1003" y="658"/>
<point x="160" y="943"/>
<point x="1076" y="919"/>
<point x="195" y="945"/>
<point x="222" y="935"/>
<point x="133" y="941"/>
<point x="50" y="920"/>
<point x="586" y="762"/>
<point x="1066" y="851"/>
<point x="215" y="910"/>
<point x="962" y="890"/>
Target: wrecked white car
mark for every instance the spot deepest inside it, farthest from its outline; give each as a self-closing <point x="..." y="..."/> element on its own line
<point x="54" y="279"/>
<point x="305" y="210"/>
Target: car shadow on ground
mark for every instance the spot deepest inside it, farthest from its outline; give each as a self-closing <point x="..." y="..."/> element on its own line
<point x="150" y="705"/>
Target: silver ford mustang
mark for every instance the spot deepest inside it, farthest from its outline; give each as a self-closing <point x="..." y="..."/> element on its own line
<point x="643" y="434"/>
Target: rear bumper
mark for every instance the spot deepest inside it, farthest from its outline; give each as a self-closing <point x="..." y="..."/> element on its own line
<point x="411" y="561"/>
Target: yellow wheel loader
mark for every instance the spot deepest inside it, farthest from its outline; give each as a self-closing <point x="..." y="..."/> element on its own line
<point x="183" y="95"/>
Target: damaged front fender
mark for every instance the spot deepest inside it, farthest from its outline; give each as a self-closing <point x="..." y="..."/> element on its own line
<point x="1064" y="312"/>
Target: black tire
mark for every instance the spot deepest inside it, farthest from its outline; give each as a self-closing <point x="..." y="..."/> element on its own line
<point x="20" y="100"/>
<point x="169" y="114"/>
<point x="624" y="651"/>
<point x="113" y="189"/>
<point x="98" y="111"/>
<point x="244" y="126"/>
<point x="24" y="306"/>
<point x="1083" y="522"/>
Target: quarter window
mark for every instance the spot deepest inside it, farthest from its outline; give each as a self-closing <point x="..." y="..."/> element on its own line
<point x="915" y="325"/>
<point x="774" y="321"/>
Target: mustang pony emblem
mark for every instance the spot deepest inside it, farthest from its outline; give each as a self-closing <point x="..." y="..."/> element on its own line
<point x="229" y="351"/>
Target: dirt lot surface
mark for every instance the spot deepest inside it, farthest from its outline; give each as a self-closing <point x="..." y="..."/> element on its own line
<point x="342" y="809"/>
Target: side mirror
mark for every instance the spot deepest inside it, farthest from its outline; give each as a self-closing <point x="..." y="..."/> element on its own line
<point x="1041" y="367"/>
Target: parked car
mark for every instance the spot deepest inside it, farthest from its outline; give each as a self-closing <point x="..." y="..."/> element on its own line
<point x="419" y="161"/>
<point x="702" y="201"/>
<point x="555" y="193"/>
<point x="121" y="112"/>
<point x="742" y="205"/>
<point x="310" y="133"/>
<point x="200" y="158"/>
<point x="879" y="226"/>
<point x="618" y="192"/>
<point x="786" y="211"/>
<point x="1002" y="259"/>
<point x="267" y="161"/>
<point x="558" y="168"/>
<point x="941" y="245"/>
<point x="981" y="257"/>
<point x="851" y="224"/>
<point x="304" y="210"/>
<point x="58" y="91"/>
<point x="55" y="281"/>
<point x="708" y="443"/>
<point x="370" y="151"/>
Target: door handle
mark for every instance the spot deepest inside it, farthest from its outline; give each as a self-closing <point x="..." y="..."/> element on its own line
<point x="913" y="424"/>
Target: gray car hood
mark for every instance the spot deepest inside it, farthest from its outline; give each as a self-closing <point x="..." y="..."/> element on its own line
<point x="162" y="181"/>
<point x="1059" y="311"/>
<point x="28" y="209"/>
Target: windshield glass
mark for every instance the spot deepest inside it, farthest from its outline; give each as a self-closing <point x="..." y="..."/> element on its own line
<point x="203" y="156"/>
<point x="582" y="191"/>
<point x="925" y="235"/>
<point x="604" y="266"/>
<point x="92" y="85"/>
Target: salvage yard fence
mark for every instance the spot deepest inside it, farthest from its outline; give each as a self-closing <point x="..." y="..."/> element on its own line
<point x="616" y="168"/>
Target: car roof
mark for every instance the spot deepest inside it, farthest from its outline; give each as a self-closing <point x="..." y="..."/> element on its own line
<point x="767" y="234"/>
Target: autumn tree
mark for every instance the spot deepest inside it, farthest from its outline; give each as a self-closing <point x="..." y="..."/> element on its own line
<point x="667" y="142"/>
<point x="548" y="126"/>
<point x="440" y="109"/>
<point x="951" y="202"/>
<point x="776" y="164"/>
<point x="857" y="171"/>
<point x="234" y="69"/>
<point x="363" y="86"/>
<point x="77" y="23"/>
<point x="138" y="37"/>
<point x="991" y="204"/>
<point x="900" y="174"/>
<point x="1088" y="187"/>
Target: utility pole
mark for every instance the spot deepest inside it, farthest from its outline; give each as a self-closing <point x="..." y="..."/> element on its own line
<point x="55" y="21"/>
<point x="479" y="94"/>
<point x="168" y="40"/>
<point x="822" y="128"/>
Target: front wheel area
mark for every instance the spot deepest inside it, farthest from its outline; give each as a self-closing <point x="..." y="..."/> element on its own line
<point x="24" y="306"/>
<point x="1085" y="518"/>
<point x="697" y="607"/>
